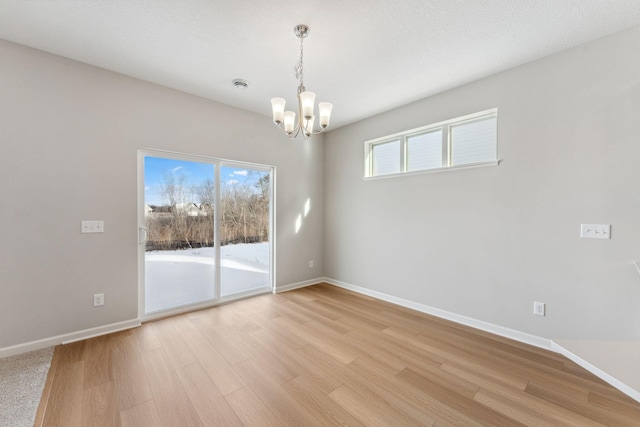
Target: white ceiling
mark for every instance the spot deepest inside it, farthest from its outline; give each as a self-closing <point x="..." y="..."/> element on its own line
<point x="364" y="56"/>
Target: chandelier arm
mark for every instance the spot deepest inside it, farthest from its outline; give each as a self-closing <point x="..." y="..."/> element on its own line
<point x="293" y="133"/>
<point x="318" y="131"/>
<point x="302" y="125"/>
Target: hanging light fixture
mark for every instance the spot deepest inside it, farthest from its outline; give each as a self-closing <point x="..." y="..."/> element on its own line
<point x="286" y="120"/>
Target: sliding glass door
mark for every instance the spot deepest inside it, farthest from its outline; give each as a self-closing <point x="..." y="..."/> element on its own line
<point x="205" y="231"/>
<point x="245" y="195"/>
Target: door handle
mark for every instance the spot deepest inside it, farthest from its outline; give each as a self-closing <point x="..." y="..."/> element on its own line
<point x="143" y="234"/>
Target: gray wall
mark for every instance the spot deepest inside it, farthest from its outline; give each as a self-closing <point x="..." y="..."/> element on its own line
<point x="485" y="243"/>
<point x="69" y="135"/>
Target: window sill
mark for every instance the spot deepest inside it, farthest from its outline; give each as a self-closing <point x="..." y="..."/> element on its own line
<point x="434" y="170"/>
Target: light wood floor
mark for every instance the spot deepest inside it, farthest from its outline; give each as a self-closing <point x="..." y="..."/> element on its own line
<point x="319" y="356"/>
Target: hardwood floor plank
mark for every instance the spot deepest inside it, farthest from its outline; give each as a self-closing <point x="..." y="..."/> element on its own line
<point x="372" y="410"/>
<point x="226" y="342"/>
<point x="146" y="337"/>
<point x="616" y="402"/>
<point x="318" y="403"/>
<point x="577" y="404"/>
<point x="251" y="410"/>
<point x="324" y="309"/>
<point x="456" y="401"/>
<point x="216" y="366"/>
<point x="484" y="378"/>
<point x="384" y="383"/>
<point x="465" y="361"/>
<point x="270" y="358"/>
<point x="131" y="386"/>
<point x="516" y="370"/>
<point x="305" y="315"/>
<point x="100" y="406"/>
<point x="394" y="349"/>
<point x="520" y="413"/>
<point x="211" y="406"/>
<point x="275" y="341"/>
<point x="172" y="402"/>
<point x="324" y="371"/>
<point x="143" y="415"/>
<point x="169" y="333"/>
<point x="336" y="348"/>
<point x="71" y="353"/>
<point x="283" y="406"/>
<point x="362" y="322"/>
<point x="65" y="405"/>
<point x="352" y="302"/>
<point x="290" y="310"/>
<point x="97" y="361"/>
<point x="270" y="335"/>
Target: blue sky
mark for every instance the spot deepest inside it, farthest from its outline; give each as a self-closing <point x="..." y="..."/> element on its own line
<point x="195" y="173"/>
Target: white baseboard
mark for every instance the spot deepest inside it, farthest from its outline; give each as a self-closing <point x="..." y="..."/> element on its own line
<point x="292" y="286"/>
<point x="68" y="338"/>
<point x="632" y="393"/>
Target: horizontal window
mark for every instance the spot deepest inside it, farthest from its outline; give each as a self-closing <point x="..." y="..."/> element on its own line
<point x="465" y="141"/>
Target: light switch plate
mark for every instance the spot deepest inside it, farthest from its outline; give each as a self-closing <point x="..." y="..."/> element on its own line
<point x="92" y="227"/>
<point x="595" y="231"/>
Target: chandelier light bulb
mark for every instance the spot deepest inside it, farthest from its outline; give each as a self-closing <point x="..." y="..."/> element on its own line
<point x="289" y="121"/>
<point x="307" y="99"/>
<point x="325" y="113"/>
<point x="277" y="104"/>
<point x="308" y="126"/>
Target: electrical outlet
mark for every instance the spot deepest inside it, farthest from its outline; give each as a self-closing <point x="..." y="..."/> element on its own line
<point x="538" y="308"/>
<point x="311" y="264"/>
<point x="98" y="299"/>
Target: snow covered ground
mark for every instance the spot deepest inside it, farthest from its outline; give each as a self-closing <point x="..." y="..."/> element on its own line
<point x="175" y="278"/>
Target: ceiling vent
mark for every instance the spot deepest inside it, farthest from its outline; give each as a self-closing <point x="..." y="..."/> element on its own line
<point x="240" y="84"/>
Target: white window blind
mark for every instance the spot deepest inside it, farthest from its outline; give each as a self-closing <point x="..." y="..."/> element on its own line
<point x="461" y="142"/>
<point x="424" y="151"/>
<point x="386" y="158"/>
<point x="474" y="141"/>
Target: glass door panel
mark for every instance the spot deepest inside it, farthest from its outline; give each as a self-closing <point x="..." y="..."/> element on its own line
<point x="180" y="253"/>
<point x="245" y="232"/>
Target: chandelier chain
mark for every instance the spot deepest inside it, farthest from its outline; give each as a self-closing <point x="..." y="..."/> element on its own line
<point x="299" y="67"/>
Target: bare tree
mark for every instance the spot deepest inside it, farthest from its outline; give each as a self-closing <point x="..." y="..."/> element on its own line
<point x="176" y="193"/>
<point x="243" y="210"/>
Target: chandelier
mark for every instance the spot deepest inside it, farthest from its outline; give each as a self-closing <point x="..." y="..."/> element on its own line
<point x="286" y="120"/>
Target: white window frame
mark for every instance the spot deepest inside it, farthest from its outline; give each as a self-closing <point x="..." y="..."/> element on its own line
<point x="447" y="147"/>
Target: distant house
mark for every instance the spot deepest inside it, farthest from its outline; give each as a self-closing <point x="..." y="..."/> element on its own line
<point x="160" y="210"/>
<point x="191" y="209"/>
<point x="206" y="209"/>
